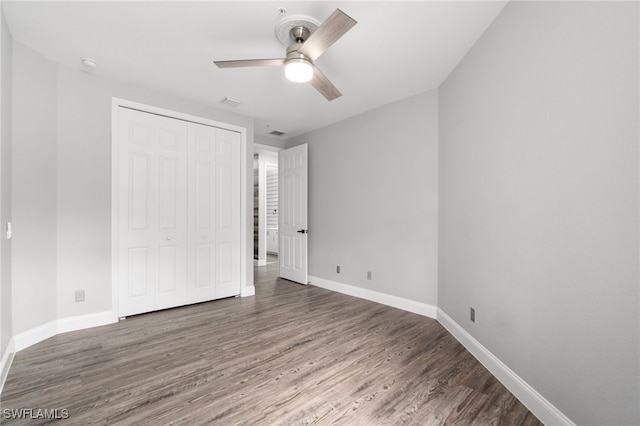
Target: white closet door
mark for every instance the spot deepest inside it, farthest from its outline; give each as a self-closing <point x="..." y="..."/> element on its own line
<point x="214" y="213"/>
<point x="202" y="248"/>
<point x="227" y="214"/>
<point x="152" y="212"/>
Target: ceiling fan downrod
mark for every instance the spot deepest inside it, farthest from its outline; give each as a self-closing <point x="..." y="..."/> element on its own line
<point x="299" y="34"/>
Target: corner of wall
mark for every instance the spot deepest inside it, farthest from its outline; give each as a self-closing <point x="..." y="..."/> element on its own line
<point x="532" y="399"/>
<point x="419" y="308"/>
<point x="6" y="311"/>
<point x="5" y="362"/>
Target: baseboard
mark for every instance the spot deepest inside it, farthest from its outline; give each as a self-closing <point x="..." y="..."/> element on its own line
<point x="546" y="412"/>
<point x="81" y="322"/>
<point x="37" y="334"/>
<point x="374" y="296"/>
<point x="50" y="329"/>
<point x="5" y="363"/>
<point x="257" y="262"/>
<point x="536" y="403"/>
<point x="248" y="291"/>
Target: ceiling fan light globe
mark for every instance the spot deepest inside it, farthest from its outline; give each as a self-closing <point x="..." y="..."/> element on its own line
<point x="298" y="70"/>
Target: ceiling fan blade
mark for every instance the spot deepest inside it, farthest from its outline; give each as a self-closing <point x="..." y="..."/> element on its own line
<point x="323" y="85"/>
<point x="249" y="63"/>
<point x="334" y="27"/>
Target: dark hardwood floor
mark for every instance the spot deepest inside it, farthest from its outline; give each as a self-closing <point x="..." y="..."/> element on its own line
<point x="290" y="355"/>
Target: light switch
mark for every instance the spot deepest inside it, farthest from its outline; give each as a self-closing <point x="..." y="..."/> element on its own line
<point x="9" y="232"/>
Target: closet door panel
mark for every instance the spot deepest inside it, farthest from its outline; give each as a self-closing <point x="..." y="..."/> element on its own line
<point x="201" y="251"/>
<point x="139" y="277"/>
<point x="227" y="213"/>
<point x="139" y="195"/>
<point x="172" y="214"/>
<point x="203" y="268"/>
<point x="151" y="234"/>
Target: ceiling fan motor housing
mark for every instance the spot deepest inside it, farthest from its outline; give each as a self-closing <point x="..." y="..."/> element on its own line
<point x="292" y="53"/>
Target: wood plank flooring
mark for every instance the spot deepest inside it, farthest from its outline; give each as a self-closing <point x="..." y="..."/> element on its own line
<point x="291" y="355"/>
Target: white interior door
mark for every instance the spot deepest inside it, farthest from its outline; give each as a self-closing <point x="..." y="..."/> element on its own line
<point x="292" y="178"/>
<point x="152" y="212"/>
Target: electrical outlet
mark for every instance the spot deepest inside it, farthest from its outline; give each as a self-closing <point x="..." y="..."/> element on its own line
<point x="337" y="269"/>
<point x="472" y="315"/>
<point x="368" y="275"/>
<point x="79" y="296"/>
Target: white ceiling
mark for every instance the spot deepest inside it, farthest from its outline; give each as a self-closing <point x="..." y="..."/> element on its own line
<point x="396" y="50"/>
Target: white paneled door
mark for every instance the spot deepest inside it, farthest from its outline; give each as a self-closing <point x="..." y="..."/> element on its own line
<point x="227" y="213"/>
<point x="292" y="177"/>
<point x="152" y="211"/>
<point x="178" y="212"/>
<point x="214" y="213"/>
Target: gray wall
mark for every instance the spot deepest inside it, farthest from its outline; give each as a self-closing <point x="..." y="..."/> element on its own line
<point x="538" y="193"/>
<point x="34" y="265"/>
<point x="6" y="323"/>
<point x="539" y="202"/>
<point x="65" y="198"/>
<point x="373" y="182"/>
<point x="271" y="141"/>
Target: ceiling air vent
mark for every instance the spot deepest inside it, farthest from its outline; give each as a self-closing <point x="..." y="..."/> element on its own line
<point x="277" y="133"/>
<point x="230" y="102"/>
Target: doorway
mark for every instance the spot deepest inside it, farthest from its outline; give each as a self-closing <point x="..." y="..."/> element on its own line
<point x="271" y="212"/>
<point x="266" y="232"/>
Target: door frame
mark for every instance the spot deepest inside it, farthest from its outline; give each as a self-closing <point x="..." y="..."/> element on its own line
<point x="246" y="258"/>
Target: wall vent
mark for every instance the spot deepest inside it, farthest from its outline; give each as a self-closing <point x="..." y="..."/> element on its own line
<point x="230" y="102"/>
<point x="277" y="133"/>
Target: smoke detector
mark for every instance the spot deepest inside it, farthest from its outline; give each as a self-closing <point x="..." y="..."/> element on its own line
<point x="88" y="64"/>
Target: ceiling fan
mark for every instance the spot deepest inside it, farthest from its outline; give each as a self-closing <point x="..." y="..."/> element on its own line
<point x="306" y="40"/>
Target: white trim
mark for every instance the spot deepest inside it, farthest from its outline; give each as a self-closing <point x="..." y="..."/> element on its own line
<point x="246" y="217"/>
<point x="5" y="363"/>
<point x="262" y="211"/>
<point x="37" y="334"/>
<point x="115" y="293"/>
<point x="81" y="322"/>
<point x="245" y="255"/>
<point x="248" y="290"/>
<point x="263" y="147"/>
<point x="118" y="102"/>
<point x="374" y="296"/>
<point x="42" y="332"/>
<point x="257" y="262"/>
<point x="536" y="403"/>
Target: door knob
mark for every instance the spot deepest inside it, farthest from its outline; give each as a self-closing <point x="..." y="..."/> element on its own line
<point x="168" y="238"/>
<point x="303" y="231"/>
